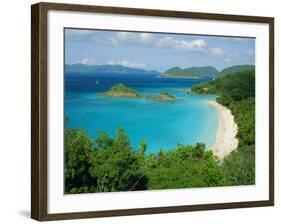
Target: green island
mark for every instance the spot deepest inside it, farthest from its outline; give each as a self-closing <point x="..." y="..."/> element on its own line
<point x="201" y="72"/>
<point x="121" y="91"/>
<point x="192" y="72"/>
<point x="110" y="163"/>
<point x="163" y="96"/>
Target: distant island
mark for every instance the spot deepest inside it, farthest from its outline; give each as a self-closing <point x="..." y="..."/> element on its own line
<point x="202" y="72"/>
<point x="73" y="69"/>
<point x="192" y="72"/>
<point x="121" y="91"/>
<point x="174" y="72"/>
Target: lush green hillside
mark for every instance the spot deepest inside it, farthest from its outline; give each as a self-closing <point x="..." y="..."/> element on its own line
<point x="192" y="72"/>
<point x="104" y="69"/>
<point x="207" y="71"/>
<point x="238" y="85"/>
<point x="233" y="69"/>
<point x="237" y="92"/>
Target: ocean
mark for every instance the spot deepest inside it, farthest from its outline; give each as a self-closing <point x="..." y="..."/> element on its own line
<point x="161" y="124"/>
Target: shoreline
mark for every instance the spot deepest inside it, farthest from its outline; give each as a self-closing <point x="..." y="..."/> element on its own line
<point x="226" y="140"/>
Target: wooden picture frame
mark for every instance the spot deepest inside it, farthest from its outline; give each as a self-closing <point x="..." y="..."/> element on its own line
<point x="39" y="110"/>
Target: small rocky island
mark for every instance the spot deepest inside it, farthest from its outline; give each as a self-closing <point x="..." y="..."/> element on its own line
<point x="163" y="96"/>
<point x="121" y="91"/>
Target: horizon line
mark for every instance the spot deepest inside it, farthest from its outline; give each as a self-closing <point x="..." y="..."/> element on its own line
<point x="219" y="70"/>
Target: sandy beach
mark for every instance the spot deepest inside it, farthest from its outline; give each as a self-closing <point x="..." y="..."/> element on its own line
<point x="225" y="141"/>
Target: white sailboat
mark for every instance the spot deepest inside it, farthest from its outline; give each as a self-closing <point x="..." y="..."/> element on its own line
<point x="97" y="82"/>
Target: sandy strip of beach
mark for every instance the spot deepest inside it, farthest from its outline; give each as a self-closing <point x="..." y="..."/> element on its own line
<point x="226" y="140"/>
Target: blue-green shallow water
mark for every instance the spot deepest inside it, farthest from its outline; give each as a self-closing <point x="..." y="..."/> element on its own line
<point x="160" y="124"/>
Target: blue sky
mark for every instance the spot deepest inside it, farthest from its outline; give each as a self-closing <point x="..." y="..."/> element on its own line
<point x="154" y="51"/>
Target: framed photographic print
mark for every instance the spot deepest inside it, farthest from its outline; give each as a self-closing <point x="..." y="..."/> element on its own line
<point x="138" y="111"/>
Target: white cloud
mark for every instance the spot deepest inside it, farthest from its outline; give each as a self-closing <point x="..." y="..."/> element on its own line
<point x="88" y="61"/>
<point x="218" y="52"/>
<point x="165" y="42"/>
<point x="111" y="63"/>
<point x="182" y="45"/>
<point x="148" y="39"/>
<point x="127" y="64"/>
<point x="195" y="45"/>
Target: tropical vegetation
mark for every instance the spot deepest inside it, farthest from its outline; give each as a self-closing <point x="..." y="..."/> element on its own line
<point x="205" y="71"/>
<point x="192" y="72"/>
<point x="237" y="92"/>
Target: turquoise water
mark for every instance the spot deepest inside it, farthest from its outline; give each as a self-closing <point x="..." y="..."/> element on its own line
<point x="160" y="124"/>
